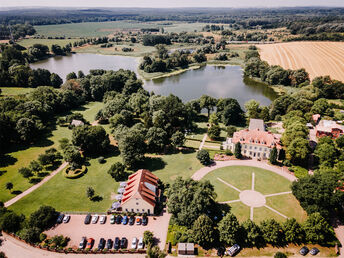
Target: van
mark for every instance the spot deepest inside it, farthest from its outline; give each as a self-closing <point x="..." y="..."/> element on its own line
<point x="233" y="250"/>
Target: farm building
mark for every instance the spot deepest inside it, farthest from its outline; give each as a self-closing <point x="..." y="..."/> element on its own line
<point x="255" y="141"/>
<point x="76" y="123"/>
<point x="141" y="192"/>
<point x="329" y="128"/>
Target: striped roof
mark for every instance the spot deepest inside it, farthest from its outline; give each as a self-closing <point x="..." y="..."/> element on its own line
<point x="141" y="184"/>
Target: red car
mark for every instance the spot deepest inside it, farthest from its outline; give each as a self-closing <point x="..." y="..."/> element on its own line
<point x="90" y="243"/>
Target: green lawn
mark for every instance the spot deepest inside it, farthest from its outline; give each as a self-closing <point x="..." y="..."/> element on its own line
<point x="266" y="182"/>
<point x="22" y="156"/>
<point x="6" y="91"/>
<point x="48" y="42"/>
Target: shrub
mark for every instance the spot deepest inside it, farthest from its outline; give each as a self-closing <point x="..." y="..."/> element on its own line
<point x="280" y="255"/>
<point x="101" y="160"/>
<point x="229" y="152"/>
<point x="42" y="237"/>
<point x="25" y="172"/>
<point x="300" y="172"/>
<point x="203" y="157"/>
<point x="35" y="180"/>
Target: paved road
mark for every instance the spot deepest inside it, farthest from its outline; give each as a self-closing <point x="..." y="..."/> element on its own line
<point x="34" y="187"/>
<point x="198" y="175"/>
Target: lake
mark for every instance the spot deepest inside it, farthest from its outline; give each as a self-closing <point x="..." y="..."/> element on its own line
<point x="216" y="81"/>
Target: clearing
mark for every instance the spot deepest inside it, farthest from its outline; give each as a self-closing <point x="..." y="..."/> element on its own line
<point x="318" y="58"/>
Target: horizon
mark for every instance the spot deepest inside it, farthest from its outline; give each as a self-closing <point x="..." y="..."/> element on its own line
<point x="169" y="4"/>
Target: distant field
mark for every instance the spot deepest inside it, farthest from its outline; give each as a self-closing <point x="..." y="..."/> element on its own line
<point x="5" y="91"/>
<point x="98" y="29"/>
<point x="61" y="42"/>
<point x="318" y="58"/>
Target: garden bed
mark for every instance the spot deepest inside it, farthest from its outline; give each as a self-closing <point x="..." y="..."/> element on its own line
<point x="76" y="173"/>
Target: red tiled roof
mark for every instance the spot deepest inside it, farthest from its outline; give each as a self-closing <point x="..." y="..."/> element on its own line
<point x="258" y="137"/>
<point x="137" y="186"/>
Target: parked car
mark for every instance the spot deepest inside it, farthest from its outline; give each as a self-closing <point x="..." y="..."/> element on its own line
<point x="134" y="243"/>
<point x="119" y="219"/>
<point x="82" y="243"/>
<point x="95" y="219"/>
<point x="314" y="251"/>
<point x="102" y="219"/>
<point x="101" y="244"/>
<point x="304" y="250"/>
<point x="138" y="221"/>
<point x="109" y="244"/>
<point x="124" y="242"/>
<point x="90" y="243"/>
<point x="66" y="219"/>
<point x="117" y="243"/>
<point x="132" y="220"/>
<point x="87" y="219"/>
<point x="221" y="251"/>
<point x="233" y="250"/>
<point x="60" y="218"/>
<point x="144" y="220"/>
<point x="112" y="219"/>
<point x="125" y="220"/>
<point x="141" y="244"/>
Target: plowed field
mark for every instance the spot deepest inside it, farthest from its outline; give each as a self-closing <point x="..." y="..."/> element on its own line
<point x="318" y="58"/>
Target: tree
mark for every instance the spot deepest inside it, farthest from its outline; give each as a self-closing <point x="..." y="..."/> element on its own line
<point x="156" y="139"/>
<point x="55" y="80"/>
<point x="155" y="252"/>
<point x="252" y="108"/>
<point x="317" y="229"/>
<point x="203" y="231"/>
<point x="10" y="221"/>
<point x="203" y="157"/>
<point x="30" y="234"/>
<point x="272" y="232"/>
<point x="273" y="156"/>
<point x="71" y="76"/>
<point x="132" y="147"/>
<point x="178" y="139"/>
<point x="237" y="150"/>
<point x="9" y="186"/>
<point x="27" y="129"/>
<point x="340" y="142"/>
<point x="148" y="238"/>
<point x="230" y="112"/>
<point x="214" y="119"/>
<point x="208" y="103"/>
<point x="117" y="171"/>
<point x="229" y="229"/>
<point x="3" y="255"/>
<point x="230" y="130"/>
<point x="25" y="172"/>
<point x="92" y="139"/>
<point x="280" y="255"/>
<point x="188" y="199"/>
<point x="72" y="155"/>
<point x="35" y="166"/>
<point x="253" y="234"/>
<point x="214" y="132"/>
<point x="326" y="153"/>
<point x="57" y="50"/>
<point x="44" y="218"/>
<point x="89" y="192"/>
<point x="298" y="151"/>
<point x="293" y="231"/>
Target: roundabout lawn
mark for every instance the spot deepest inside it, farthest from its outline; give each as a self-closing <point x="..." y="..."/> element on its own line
<point x="270" y="193"/>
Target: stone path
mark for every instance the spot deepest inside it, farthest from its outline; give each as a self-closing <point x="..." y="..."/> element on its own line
<point x="203" y="141"/>
<point x="34" y="187"/>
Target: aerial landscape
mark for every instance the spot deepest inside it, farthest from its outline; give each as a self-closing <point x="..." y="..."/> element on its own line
<point x="171" y="128"/>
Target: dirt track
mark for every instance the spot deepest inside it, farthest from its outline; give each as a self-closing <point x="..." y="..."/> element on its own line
<point x="318" y="58"/>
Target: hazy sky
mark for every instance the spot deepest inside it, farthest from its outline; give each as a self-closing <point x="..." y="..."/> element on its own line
<point x="171" y="3"/>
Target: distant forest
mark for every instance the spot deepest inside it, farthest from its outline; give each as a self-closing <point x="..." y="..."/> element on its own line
<point x="307" y="21"/>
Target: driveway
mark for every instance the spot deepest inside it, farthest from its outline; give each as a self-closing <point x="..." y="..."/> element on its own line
<point x="76" y="229"/>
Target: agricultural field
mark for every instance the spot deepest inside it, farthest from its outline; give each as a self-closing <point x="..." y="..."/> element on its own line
<point x="48" y="42"/>
<point x="100" y="29"/>
<point x="318" y="58"/>
<point x="275" y="188"/>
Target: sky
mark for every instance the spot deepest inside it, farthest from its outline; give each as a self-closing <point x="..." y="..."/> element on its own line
<point x="170" y="3"/>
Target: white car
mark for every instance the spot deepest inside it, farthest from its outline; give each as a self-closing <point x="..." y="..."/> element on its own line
<point x="66" y="218"/>
<point x="140" y="245"/>
<point x="95" y="219"/>
<point x="102" y="219"/>
<point x="134" y="243"/>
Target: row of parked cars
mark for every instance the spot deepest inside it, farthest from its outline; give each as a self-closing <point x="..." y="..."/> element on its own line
<point x="304" y="250"/>
<point x="116" y="219"/>
<point x="109" y="244"/>
<point x="63" y="218"/>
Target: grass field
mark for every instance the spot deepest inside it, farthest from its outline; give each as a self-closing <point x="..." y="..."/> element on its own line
<point x="48" y="42"/>
<point x="13" y="91"/>
<point x="21" y="157"/>
<point x="318" y="58"/>
<point x="266" y="182"/>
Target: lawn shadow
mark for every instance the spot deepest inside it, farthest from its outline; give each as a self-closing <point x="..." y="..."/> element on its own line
<point x="7" y="160"/>
<point x="16" y="192"/>
<point x="97" y="198"/>
<point x="154" y="163"/>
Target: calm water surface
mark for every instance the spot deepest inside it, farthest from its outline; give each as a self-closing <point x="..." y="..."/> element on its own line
<point x="216" y="81"/>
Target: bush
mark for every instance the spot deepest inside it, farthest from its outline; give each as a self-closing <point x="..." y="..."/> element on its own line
<point x="299" y="172"/>
<point x="42" y="237"/>
<point x="74" y="173"/>
<point x="101" y="160"/>
<point x="203" y="157"/>
<point x="35" y="180"/>
<point x="280" y="255"/>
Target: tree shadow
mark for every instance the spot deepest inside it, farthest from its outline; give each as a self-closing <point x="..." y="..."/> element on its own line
<point x="42" y="174"/>
<point x="97" y="198"/>
<point x="154" y="163"/>
<point x="7" y="160"/>
<point x="2" y="172"/>
<point x="16" y="192"/>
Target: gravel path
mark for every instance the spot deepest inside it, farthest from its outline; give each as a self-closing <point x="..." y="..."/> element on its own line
<point x="34" y="187"/>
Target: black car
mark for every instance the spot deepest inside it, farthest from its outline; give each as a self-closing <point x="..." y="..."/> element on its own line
<point x="87" y="219"/>
<point x="109" y="244"/>
<point x="101" y="244"/>
<point x="119" y="219"/>
<point x="144" y="220"/>
<point x="221" y="251"/>
<point x="124" y="242"/>
<point x="117" y="243"/>
<point x="82" y="243"/>
<point x="60" y="218"/>
<point x="314" y="251"/>
<point x="304" y="250"/>
<point x="131" y="220"/>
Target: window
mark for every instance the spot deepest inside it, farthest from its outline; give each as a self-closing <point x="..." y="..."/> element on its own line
<point x="132" y="210"/>
<point x="250" y="147"/>
<point x="244" y="151"/>
<point x="260" y="148"/>
<point x="255" y="148"/>
<point x="258" y="154"/>
<point x="137" y="203"/>
<point x="250" y="152"/>
<point x="126" y="209"/>
<point x="143" y="210"/>
<point x="138" y="210"/>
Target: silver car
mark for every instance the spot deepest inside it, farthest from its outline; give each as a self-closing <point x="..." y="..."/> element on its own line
<point x="102" y="219"/>
<point x="95" y="219"/>
<point x="141" y="244"/>
<point x="134" y="243"/>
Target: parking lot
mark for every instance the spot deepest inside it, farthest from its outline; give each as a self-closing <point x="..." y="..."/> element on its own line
<point x="75" y="229"/>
